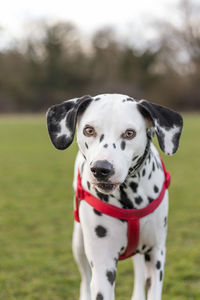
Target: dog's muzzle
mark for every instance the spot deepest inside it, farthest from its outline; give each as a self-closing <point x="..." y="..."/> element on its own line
<point x="107" y="186"/>
<point x="102" y="170"/>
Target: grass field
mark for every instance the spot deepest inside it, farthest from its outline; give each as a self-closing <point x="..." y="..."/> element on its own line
<point x="36" y="219"/>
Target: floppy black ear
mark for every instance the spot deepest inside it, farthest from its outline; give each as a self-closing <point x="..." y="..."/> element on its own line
<point x="61" y="120"/>
<point x="167" y="123"/>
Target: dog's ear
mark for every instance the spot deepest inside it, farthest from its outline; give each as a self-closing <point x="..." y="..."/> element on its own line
<point x="61" y="120"/>
<point x="167" y="124"/>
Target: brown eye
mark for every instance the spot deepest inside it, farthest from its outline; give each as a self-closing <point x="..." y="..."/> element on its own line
<point x="129" y="134"/>
<point x="89" y="131"/>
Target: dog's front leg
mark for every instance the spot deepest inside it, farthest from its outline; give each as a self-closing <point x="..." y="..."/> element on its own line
<point x="155" y="262"/>
<point x="103" y="280"/>
<point x="139" y="279"/>
<point x="82" y="262"/>
<point x="104" y="238"/>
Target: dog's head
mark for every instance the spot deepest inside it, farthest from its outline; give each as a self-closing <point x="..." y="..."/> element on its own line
<point x="112" y="133"/>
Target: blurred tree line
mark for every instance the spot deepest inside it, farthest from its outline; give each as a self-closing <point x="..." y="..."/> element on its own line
<point x="54" y="63"/>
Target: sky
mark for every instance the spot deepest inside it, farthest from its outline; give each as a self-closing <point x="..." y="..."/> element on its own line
<point x="88" y="15"/>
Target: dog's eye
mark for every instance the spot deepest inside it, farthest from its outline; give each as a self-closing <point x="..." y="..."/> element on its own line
<point x="89" y="131"/>
<point x="129" y="134"/>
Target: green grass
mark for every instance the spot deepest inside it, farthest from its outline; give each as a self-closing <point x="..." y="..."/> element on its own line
<point x="36" y="222"/>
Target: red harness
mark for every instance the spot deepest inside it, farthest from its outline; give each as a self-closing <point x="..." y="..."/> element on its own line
<point x="132" y="216"/>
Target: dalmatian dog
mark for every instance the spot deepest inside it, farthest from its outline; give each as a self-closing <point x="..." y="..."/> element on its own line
<point x="118" y="164"/>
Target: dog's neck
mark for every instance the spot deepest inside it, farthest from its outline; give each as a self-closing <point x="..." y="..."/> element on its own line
<point x="138" y="162"/>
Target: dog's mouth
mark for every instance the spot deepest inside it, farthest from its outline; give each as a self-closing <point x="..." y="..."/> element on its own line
<point x="106" y="186"/>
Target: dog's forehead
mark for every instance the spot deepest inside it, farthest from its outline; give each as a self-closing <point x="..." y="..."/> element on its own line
<point x="109" y="109"/>
<point x="109" y="103"/>
<point x="114" y="98"/>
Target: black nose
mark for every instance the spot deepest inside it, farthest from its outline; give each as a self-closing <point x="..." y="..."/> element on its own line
<point x="102" y="169"/>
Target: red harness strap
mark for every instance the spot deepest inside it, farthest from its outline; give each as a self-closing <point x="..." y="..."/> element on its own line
<point x="132" y="216"/>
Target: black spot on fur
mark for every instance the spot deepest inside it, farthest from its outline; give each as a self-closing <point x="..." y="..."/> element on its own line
<point x="149" y="156"/>
<point x="138" y="200"/>
<point x="101" y="196"/>
<point x="99" y="296"/>
<point x="149" y="250"/>
<point x="158" y="265"/>
<point x="130" y="170"/>
<point x="101" y="138"/>
<point x="155" y="189"/>
<point x="148" y="284"/>
<point x="116" y="261"/>
<point x="100" y="231"/>
<point x="124" y="185"/>
<point x="143" y="247"/>
<point x="133" y="185"/>
<point x="153" y="166"/>
<point x="122" y="220"/>
<point x="106" y="146"/>
<point x="143" y="172"/>
<point x="165" y="221"/>
<point x="82" y="167"/>
<point x="111" y="275"/>
<point x="114" y="146"/>
<point x="130" y="99"/>
<point x="157" y="163"/>
<point x="122" y="249"/>
<point x="88" y="185"/>
<point x="123" y="145"/>
<point x="124" y="200"/>
<point x="86" y="145"/>
<point x="149" y="176"/>
<point x="147" y="257"/>
<point x="98" y="213"/>
<point x="97" y="99"/>
<point x="161" y="275"/>
<point x="150" y="199"/>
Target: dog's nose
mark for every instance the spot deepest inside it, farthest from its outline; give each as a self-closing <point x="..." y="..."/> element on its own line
<point x="102" y="169"/>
